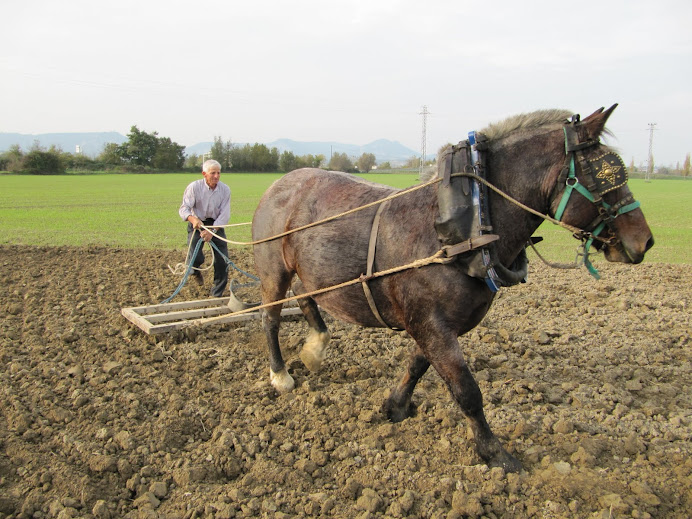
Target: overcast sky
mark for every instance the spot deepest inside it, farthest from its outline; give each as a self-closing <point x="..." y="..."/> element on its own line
<point x="349" y="71"/>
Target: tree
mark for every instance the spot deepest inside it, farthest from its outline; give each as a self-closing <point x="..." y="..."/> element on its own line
<point x="314" y="161"/>
<point x="11" y="160"/>
<point x="288" y="161"/>
<point x="193" y="162"/>
<point x="140" y="147"/>
<point x="110" y="154"/>
<point x="169" y="155"/>
<point x="413" y="162"/>
<point x="145" y="150"/>
<point x="264" y="159"/>
<point x="686" y="166"/>
<point x="366" y="162"/>
<point x="40" y="162"/>
<point x="340" y="162"/>
<point x="223" y="153"/>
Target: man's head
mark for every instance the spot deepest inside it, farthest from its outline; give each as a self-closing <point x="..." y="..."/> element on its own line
<point x="211" y="171"/>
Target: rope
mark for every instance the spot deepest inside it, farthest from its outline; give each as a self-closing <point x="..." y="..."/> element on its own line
<point x="516" y="202"/>
<point x="575" y="230"/>
<point x="180" y="268"/>
<point x="229" y="262"/>
<point x="186" y="274"/>
<point x="329" y="218"/>
<point x="438" y="257"/>
<point x="564" y="266"/>
<point x="435" y="258"/>
<point x="189" y="260"/>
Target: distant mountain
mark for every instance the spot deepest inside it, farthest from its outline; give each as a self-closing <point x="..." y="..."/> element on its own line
<point x="91" y="144"/>
<point x="383" y="149"/>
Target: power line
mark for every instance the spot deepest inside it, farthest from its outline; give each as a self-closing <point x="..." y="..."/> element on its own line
<point x="650" y="165"/>
<point x="424" y="140"/>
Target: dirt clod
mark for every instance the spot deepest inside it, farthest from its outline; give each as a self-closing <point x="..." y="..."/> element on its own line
<point x="586" y="382"/>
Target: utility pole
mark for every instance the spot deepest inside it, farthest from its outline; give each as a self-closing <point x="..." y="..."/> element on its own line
<point x="424" y="139"/>
<point x="650" y="165"/>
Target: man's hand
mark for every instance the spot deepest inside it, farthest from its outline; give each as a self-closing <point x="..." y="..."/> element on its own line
<point x="196" y="222"/>
<point x="206" y="235"/>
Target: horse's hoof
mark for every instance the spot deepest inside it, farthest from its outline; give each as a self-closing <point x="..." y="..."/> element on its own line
<point x="282" y="381"/>
<point x="505" y="461"/>
<point x="396" y="413"/>
<point x="315" y="350"/>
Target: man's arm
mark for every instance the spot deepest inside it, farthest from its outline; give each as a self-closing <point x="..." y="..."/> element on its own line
<point x="185" y="211"/>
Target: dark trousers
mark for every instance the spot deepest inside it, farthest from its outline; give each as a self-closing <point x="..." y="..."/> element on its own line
<point x="220" y="266"/>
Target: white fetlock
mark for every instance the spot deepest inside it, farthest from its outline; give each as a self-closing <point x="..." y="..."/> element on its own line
<point x="282" y="381"/>
<point x="315" y="350"/>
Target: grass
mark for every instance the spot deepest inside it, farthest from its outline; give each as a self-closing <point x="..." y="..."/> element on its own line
<point x="130" y="211"/>
<point x="140" y="211"/>
<point x="666" y="205"/>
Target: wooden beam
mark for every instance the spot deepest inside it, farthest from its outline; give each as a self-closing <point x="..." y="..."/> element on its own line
<point x="168" y="317"/>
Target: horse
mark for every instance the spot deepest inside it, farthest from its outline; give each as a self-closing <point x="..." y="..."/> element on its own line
<point x="435" y="304"/>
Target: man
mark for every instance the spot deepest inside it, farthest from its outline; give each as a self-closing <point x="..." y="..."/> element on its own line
<point x="208" y="201"/>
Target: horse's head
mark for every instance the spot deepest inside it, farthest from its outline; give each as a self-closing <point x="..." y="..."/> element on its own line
<point x="592" y="193"/>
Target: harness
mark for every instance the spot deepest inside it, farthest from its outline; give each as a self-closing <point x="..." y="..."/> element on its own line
<point x="464" y="226"/>
<point x="464" y="222"/>
<point x="599" y="175"/>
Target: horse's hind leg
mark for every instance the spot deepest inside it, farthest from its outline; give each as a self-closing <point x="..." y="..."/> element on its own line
<point x="314" y="350"/>
<point x="271" y="321"/>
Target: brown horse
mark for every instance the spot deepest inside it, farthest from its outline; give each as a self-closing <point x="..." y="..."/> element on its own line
<point x="437" y="303"/>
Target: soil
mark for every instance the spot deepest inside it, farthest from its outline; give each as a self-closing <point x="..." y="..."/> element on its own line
<point x="587" y="382"/>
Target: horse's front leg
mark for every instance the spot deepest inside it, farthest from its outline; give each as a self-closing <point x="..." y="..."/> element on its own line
<point x="446" y="357"/>
<point x="399" y="406"/>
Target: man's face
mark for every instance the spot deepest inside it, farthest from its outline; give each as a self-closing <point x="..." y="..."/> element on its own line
<point x="212" y="176"/>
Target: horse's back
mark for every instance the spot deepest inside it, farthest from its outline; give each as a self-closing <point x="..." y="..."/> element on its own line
<point x="307" y="195"/>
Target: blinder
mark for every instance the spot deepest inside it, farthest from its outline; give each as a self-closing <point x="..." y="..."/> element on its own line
<point x="599" y="175"/>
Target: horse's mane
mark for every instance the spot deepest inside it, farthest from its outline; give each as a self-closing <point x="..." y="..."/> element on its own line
<point x="525" y="122"/>
<point x="515" y="123"/>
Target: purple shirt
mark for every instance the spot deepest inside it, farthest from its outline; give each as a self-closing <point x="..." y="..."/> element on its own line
<point x="203" y="202"/>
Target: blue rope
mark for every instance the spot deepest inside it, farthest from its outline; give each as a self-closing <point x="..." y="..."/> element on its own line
<point x="229" y="262"/>
<point x="190" y="261"/>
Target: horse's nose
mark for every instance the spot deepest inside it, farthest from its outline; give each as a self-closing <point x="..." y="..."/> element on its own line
<point x="649" y="243"/>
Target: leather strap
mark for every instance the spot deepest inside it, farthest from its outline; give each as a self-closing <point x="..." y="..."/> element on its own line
<point x="371" y="261"/>
<point x="470" y="244"/>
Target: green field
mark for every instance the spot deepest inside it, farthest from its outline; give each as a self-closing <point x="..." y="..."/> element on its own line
<point x="141" y="211"/>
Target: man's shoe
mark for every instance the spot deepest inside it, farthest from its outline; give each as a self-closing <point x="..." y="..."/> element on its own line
<point x="197" y="276"/>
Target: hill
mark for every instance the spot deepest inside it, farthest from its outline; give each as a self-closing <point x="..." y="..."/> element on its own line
<point x="92" y="144"/>
<point x="383" y="149"/>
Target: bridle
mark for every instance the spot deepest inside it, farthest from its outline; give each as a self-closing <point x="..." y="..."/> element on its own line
<point x="599" y="175"/>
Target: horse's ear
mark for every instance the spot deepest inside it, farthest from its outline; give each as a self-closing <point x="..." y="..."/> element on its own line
<point x="595" y="123"/>
<point x="597" y="112"/>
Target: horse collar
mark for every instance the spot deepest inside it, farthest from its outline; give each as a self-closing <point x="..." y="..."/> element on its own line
<point x="464" y="225"/>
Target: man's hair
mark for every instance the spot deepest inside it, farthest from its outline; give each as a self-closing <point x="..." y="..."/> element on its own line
<point x="209" y="164"/>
